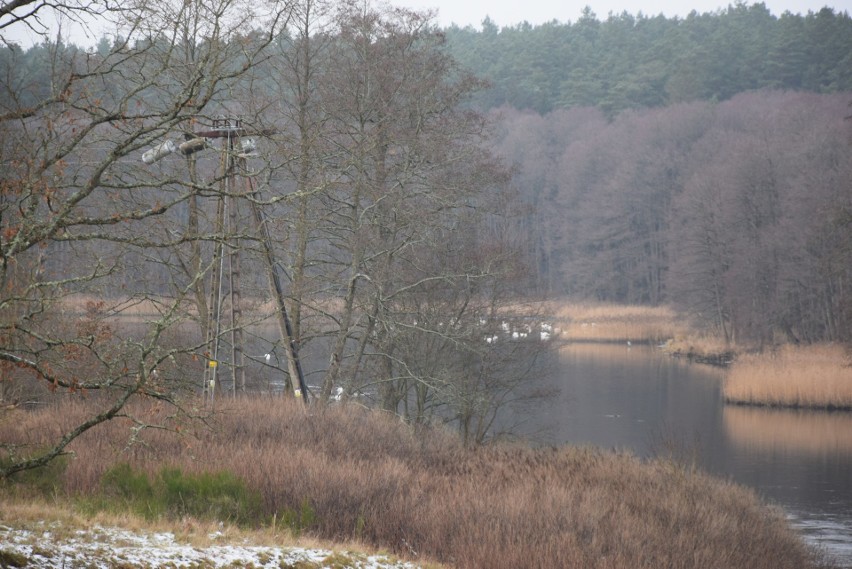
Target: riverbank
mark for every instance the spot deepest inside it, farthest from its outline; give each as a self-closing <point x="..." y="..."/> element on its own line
<point x="661" y="326"/>
<point x="605" y="322"/>
<point x="345" y="473"/>
<point x="701" y="348"/>
<point x="801" y="377"/>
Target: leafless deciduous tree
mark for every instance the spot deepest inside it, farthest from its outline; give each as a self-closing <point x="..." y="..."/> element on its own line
<point x="736" y="212"/>
<point x="86" y="309"/>
<point x="387" y="192"/>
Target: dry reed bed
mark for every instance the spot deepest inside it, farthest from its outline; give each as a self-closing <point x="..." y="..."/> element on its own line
<point x="369" y="477"/>
<point x="793" y="376"/>
<point x="618" y="323"/>
<point x="702" y="348"/>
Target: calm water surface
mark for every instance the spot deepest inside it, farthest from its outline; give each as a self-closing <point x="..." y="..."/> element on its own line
<point x="637" y="398"/>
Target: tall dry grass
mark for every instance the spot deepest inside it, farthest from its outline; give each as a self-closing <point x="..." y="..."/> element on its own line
<point x="702" y="347"/>
<point x="793" y="376"/>
<point x="368" y="477"/>
<point x="601" y="322"/>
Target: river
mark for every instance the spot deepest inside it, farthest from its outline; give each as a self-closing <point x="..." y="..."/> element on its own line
<point x="636" y="398"/>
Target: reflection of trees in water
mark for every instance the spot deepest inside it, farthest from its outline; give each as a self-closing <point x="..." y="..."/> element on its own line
<point x="805" y="432"/>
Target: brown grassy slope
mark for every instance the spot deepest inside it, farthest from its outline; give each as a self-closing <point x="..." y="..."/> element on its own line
<point x="422" y="494"/>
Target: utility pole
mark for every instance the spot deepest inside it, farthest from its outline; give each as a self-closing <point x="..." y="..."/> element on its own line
<point x="236" y="145"/>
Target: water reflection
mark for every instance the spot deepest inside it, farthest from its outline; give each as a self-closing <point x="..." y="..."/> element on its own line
<point x="639" y="399"/>
<point x="629" y="397"/>
<point x="807" y="432"/>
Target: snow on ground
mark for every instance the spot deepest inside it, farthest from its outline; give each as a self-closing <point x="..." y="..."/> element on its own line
<point x="110" y="548"/>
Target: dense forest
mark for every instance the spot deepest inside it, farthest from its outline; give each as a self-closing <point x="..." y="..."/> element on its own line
<point x="620" y="131"/>
<point x="633" y="61"/>
<point x="739" y="212"/>
<point x="702" y="161"/>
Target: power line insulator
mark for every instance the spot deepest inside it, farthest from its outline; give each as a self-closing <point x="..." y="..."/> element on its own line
<point x="158" y="152"/>
<point x="248" y="145"/>
<point x="192" y="146"/>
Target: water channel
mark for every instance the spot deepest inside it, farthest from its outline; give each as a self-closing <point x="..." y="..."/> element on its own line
<point x="636" y="398"/>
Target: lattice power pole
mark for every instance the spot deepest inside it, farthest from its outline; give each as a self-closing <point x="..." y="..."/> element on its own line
<point x="236" y="145"/>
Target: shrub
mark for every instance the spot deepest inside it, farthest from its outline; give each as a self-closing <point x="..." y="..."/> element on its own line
<point x="45" y="480"/>
<point x="219" y="495"/>
<point x="298" y="520"/>
<point x="121" y="481"/>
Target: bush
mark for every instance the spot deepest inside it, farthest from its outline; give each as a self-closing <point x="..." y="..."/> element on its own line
<point x="344" y="472"/>
<point x="122" y="482"/>
<point x="44" y="481"/>
<point x="298" y="520"/>
<point x="219" y="495"/>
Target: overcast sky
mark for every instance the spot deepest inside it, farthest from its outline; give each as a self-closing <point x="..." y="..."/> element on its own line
<point x="510" y="12"/>
<point x="507" y="12"/>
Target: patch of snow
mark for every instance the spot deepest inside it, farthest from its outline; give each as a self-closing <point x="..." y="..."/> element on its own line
<point x="105" y="547"/>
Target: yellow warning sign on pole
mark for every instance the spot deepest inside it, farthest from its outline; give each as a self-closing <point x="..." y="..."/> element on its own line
<point x="213" y="363"/>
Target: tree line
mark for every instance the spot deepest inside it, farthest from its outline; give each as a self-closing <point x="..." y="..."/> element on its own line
<point x="628" y="61"/>
<point x="740" y="212"/>
<point x="624" y="61"/>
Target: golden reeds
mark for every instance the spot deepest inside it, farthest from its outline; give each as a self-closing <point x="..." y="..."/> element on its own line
<point x="703" y="347"/>
<point x="793" y="376"/>
<point x="600" y="322"/>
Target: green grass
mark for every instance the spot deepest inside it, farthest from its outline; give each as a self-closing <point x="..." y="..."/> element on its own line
<point x="172" y="493"/>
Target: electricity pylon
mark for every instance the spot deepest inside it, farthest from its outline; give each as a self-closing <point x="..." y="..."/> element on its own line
<point x="235" y="148"/>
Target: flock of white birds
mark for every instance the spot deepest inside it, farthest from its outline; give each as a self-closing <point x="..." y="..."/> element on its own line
<point x="545" y="331"/>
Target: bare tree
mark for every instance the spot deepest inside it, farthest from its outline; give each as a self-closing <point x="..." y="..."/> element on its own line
<point x="84" y="311"/>
<point x="409" y="162"/>
<point x="382" y="196"/>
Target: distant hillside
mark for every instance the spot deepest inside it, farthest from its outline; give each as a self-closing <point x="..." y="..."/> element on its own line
<point x="628" y="61"/>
